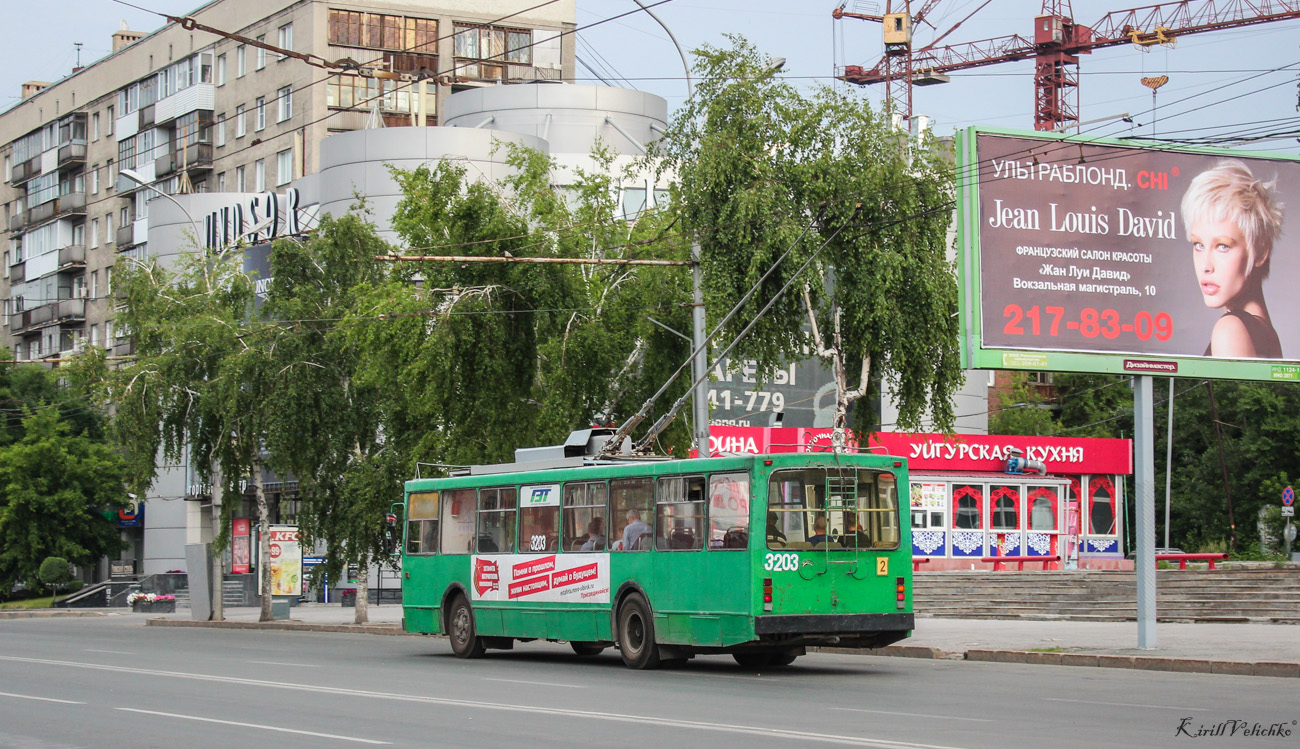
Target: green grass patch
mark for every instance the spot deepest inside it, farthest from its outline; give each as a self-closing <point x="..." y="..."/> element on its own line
<point x="30" y="603"/>
<point x="1047" y="650"/>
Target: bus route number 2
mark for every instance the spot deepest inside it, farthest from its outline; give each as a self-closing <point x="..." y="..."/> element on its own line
<point x="781" y="563"/>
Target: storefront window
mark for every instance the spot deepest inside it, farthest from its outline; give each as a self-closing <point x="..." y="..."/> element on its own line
<point x="1101" y="506"/>
<point x="1005" y="502"/>
<point x="1042" y="508"/>
<point x="966" y="507"/>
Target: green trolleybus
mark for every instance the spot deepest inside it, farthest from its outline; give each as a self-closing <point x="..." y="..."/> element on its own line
<point x="758" y="556"/>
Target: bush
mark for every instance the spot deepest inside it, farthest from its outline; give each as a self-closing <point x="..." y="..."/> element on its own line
<point x="54" y="572"/>
<point x="76" y="585"/>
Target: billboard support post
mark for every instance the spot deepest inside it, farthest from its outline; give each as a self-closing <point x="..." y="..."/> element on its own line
<point x="1144" y="466"/>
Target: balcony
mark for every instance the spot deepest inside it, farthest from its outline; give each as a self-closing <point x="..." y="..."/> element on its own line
<point x="72" y="203"/>
<point x="64" y="310"/>
<point x="146" y="117"/>
<point x="124" y="236"/>
<point x="18" y="221"/>
<point x="17" y="272"/>
<point x="20" y="173"/>
<point x="195" y="158"/>
<point x="72" y="155"/>
<point x="123" y="347"/>
<point x="74" y="255"/>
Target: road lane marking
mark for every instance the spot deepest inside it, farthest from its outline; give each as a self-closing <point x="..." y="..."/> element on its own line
<point x="1130" y="704"/>
<point x="114" y="652"/>
<point x="278" y="663"/>
<point x="911" y="715"/>
<point x="538" y="683"/>
<point x="42" y="699"/>
<point x="253" y="725"/>
<point x="551" y="712"/>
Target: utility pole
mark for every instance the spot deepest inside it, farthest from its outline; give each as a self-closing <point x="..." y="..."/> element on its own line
<point x="700" y="360"/>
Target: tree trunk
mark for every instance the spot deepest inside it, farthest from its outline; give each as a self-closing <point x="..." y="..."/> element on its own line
<point x="844" y="397"/>
<point x="263" y="542"/>
<point x="363" y="592"/>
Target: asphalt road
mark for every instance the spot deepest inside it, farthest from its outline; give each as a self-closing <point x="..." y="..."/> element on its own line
<point x="116" y="683"/>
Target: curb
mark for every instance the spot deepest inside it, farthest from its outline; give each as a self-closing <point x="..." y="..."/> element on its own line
<point x="284" y="626"/>
<point x="1143" y="663"/>
<point x="45" y="614"/>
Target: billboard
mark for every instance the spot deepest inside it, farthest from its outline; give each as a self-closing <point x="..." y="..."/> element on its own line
<point x="1089" y="255"/>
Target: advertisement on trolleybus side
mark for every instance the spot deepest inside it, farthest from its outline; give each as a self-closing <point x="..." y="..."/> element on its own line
<point x="552" y="578"/>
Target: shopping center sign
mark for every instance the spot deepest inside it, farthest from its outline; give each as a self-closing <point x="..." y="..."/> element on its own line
<point x="1090" y="255"/>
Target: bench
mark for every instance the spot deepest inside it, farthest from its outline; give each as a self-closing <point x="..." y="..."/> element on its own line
<point x="1020" y="561"/>
<point x="1183" y="559"/>
<point x="916" y="563"/>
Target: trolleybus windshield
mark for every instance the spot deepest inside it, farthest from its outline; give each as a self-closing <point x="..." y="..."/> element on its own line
<point x="832" y="508"/>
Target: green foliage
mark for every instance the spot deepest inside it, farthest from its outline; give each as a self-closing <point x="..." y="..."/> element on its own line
<point x="1023" y="410"/>
<point x="54" y="572"/>
<point x="758" y="163"/>
<point x="56" y="488"/>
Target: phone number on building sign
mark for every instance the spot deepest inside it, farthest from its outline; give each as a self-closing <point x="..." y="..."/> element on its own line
<point x="1090" y="322"/>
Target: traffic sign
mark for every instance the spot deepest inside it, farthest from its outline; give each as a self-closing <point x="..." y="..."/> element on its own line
<point x="1288" y="496"/>
<point x="1290" y="533"/>
<point x="1288" y="512"/>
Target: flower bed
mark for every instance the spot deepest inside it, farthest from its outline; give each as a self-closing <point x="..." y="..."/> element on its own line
<point x="151" y="603"/>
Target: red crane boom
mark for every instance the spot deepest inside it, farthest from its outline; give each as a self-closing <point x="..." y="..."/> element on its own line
<point x="1058" y="41"/>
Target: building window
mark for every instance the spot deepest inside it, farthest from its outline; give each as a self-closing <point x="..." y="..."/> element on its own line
<point x="483" y="51"/>
<point x="354" y="91"/>
<point x="94" y="179"/>
<point x="94" y="280"/>
<point x="241" y="61"/>
<point x="239" y="179"/>
<point x="221" y="182"/>
<point x="94" y="335"/>
<point x="259" y="122"/>
<point x="108" y="282"/>
<point x="285" y="39"/>
<point x="351" y="28"/>
<point x="108" y="228"/>
<point x="94" y="232"/>
<point x="94" y="126"/>
<point x="261" y="52"/>
<point x="285" y="97"/>
<point x="221" y="130"/>
<point x="108" y="130"/>
<point x="240" y="121"/>
<point x="284" y="166"/>
<point x="108" y="333"/>
<point x="221" y="70"/>
<point x="259" y="175"/>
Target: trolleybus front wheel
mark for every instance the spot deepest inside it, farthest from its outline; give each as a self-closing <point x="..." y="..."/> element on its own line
<point x="753" y="659"/>
<point x="636" y="634"/>
<point x="465" y="642"/>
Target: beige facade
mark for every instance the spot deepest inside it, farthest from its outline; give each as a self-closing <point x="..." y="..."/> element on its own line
<point x="187" y="110"/>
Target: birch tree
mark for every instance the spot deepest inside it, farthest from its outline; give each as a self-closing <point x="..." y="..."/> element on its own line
<point x="764" y="168"/>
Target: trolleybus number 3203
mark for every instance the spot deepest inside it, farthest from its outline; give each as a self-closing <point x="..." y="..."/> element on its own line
<point x="781" y="562"/>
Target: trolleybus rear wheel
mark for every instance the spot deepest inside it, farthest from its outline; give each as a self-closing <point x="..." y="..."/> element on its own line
<point x="465" y="642"/>
<point x="586" y="649"/>
<point x="636" y="634"/>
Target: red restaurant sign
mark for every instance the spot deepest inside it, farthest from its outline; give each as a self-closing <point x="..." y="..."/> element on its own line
<point x="963" y="452"/>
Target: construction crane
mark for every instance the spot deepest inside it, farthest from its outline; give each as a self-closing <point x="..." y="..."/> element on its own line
<point x="1055" y="46"/>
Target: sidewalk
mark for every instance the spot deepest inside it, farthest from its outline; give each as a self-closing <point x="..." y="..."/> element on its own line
<point x="1242" y="649"/>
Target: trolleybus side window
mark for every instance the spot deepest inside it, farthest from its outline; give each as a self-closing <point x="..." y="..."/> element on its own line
<point x="496" y="520"/>
<point x="819" y="508"/>
<point x="585" y="513"/>
<point x="458" y="511"/>
<point x="729" y="511"/>
<point x="422" y="523"/>
<point x="539" y="518"/>
<point x="631" y="513"/>
<point x="679" y="513"/>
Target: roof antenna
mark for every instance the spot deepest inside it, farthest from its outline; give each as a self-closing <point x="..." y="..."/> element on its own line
<point x="78" y="46"/>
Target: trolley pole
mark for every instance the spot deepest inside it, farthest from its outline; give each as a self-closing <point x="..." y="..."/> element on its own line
<point x="700" y="362"/>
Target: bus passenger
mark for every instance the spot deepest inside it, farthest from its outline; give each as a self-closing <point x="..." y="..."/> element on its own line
<point x="819" y="531"/>
<point x="635" y="530"/>
<point x="595" y="535"/>
<point x="853" y="536"/>
<point x="773" y="529"/>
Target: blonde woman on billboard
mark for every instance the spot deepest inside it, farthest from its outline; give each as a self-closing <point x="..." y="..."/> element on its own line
<point x="1232" y="221"/>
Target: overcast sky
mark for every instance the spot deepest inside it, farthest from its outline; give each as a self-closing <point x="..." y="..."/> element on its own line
<point x="1220" y="82"/>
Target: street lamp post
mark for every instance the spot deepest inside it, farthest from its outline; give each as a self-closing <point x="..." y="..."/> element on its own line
<point x="133" y="176"/>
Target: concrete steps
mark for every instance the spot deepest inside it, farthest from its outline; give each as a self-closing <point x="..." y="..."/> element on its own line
<point x="1223" y="595"/>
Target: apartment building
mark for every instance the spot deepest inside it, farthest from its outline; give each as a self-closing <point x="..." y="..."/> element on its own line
<point x="189" y="111"/>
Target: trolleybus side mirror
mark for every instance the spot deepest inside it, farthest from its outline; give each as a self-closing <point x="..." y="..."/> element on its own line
<point x="392" y="536"/>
